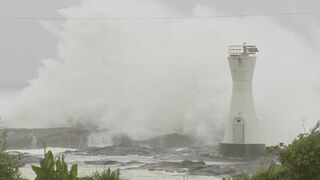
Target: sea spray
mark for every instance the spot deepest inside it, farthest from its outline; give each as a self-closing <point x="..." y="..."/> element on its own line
<point x="148" y="77"/>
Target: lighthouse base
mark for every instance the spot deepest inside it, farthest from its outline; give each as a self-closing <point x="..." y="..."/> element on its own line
<point x="241" y="150"/>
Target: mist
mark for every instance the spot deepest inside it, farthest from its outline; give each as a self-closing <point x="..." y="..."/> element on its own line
<point x="147" y="77"/>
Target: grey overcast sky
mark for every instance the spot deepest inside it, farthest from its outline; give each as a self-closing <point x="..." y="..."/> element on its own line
<point x="23" y="44"/>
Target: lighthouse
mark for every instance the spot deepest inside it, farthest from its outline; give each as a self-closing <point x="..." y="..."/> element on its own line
<point x="241" y="135"/>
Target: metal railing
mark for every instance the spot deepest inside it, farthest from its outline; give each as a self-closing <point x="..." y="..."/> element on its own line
<point x="236" y="50"/>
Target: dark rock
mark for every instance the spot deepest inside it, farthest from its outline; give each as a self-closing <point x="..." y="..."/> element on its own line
<point x="27" y="159"/>
<point x="118" y="151"/>
<point x="168" y="141"/>
<point x="131" y="163"/>
<point x="123" y="140"/>
<point x="183" y="166"/>
<point x="109" y="162"/>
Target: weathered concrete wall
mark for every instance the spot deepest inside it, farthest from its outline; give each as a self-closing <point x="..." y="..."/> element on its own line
<point x="241" y="150"/>
<point x="78" y="139"/>
<point x="53" y="137"/>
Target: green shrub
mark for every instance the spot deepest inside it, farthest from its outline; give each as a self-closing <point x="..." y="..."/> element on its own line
<point x="104" y="175"/>
<point x="9" y="164"/>
<point x="274" y="172"/>
<point x="51" y="169"/>
<point x="57" y="169"/>
<point x="298" y="161"/>
<point x="302" y="157"/>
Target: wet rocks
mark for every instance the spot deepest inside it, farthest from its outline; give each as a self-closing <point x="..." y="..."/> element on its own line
<point x="201" y="168"/>
<point x="28" y="159"/>
<point x="108" y="162"/>
<point x="118" y="151"/>
<point x="173" y="140"/>
<point x="183" y="166"/>
<point x="112" y="162"/>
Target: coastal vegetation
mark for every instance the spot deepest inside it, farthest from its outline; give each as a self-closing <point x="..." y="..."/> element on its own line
<point x="106" y="174"/>
<point x="299" y="160"/>
<point x="53" y="169"/>
<point x="57" y="169"/>
<point x="9" y="163"/>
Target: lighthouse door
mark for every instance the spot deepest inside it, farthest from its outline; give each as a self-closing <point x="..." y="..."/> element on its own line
<point x="238" y="130"/>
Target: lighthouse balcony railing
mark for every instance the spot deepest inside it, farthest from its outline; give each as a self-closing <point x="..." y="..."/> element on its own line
<point x="237" y="50"/>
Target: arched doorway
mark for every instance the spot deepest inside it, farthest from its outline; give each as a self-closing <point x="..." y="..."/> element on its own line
<point x="238" y="130"/>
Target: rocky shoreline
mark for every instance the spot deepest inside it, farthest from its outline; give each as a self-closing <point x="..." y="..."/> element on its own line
<point x="169" y="153"/>
<point x="195" y="160"/>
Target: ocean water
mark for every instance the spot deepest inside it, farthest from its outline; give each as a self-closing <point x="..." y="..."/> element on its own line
<point x="130" y="172"/>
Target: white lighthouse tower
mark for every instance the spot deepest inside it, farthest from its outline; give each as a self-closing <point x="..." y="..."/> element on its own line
<point x="241" y="136"/>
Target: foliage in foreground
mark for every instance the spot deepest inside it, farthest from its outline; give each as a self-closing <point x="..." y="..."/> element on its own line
<point x="9" y="164"/>
<point x="105" y="175"/>
<point x="57" y="169"/>
<point x="53" y="169"/>
<point x="298" y="161"/>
